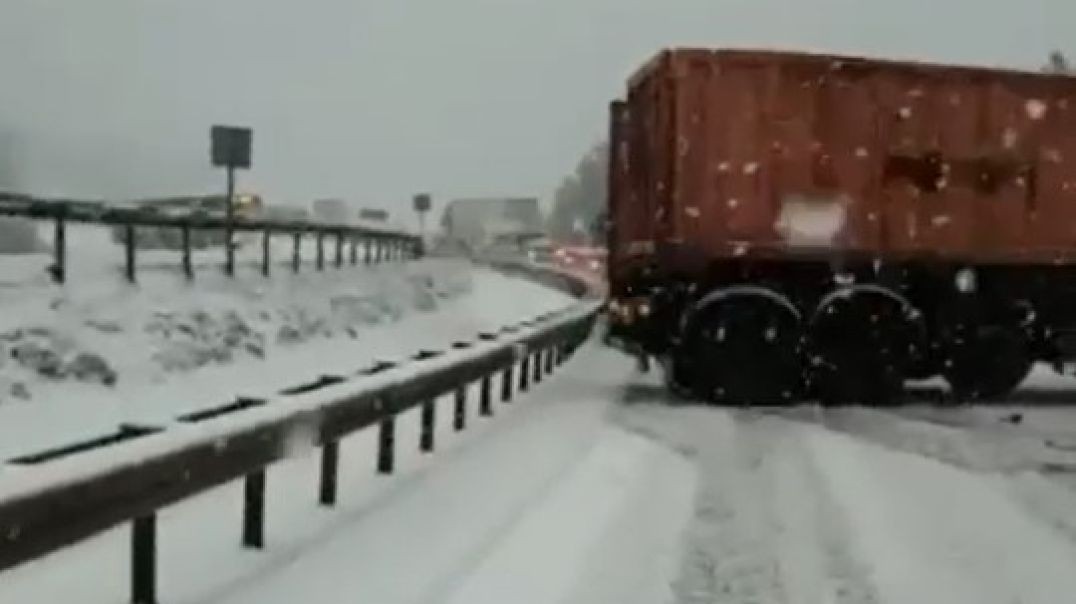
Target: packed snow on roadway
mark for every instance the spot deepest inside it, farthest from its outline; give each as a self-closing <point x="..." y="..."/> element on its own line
<point x="77" y="359"/>
<point x="597" y="487"/>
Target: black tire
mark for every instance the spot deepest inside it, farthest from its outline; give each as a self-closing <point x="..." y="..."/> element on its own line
<point x="742" y="349"/>
<point x="986" y="362"/>
<point x="862" y="344"/>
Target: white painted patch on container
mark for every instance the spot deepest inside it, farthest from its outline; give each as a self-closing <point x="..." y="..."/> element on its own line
<point x="812" y="220"/>
<point x="1036" y="109"/>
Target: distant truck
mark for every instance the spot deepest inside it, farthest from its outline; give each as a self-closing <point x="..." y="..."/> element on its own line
<point x="333" y="211"/>
<point x="786" y="225"/>
<point x="475" y="224"/>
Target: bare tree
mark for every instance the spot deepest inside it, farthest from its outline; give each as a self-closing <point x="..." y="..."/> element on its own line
<point x="1058" y="63"/>
<point x="580" y="201"/>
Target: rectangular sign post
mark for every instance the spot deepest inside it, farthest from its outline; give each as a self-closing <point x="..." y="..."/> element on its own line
<point x="423" y="203"/>
<point x="230" y="149"/>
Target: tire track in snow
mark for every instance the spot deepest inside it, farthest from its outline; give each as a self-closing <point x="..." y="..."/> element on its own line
<point x="1014" y="459"/>
<point x="764" y="531"/>
<point x="934" y="532"/>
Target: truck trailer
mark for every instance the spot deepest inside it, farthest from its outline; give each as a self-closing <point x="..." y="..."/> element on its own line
<point x="787" y="225"/>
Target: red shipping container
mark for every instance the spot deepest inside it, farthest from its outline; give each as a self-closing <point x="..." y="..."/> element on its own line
<point x="733" y="153"/>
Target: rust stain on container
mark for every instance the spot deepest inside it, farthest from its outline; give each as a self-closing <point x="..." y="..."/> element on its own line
<point x="806" y="154"/>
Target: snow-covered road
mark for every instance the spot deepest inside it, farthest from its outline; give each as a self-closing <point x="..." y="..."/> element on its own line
<point x="596" y="488"/>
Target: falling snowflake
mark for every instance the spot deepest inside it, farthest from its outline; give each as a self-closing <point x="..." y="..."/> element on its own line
<point x="1009" y="138"/>
<point x="940" y="220"/>
<point x="692" y="211"/>
<point x="724" y="167"/>
<point x="750" y="168"/>
<point x="862" y="153"/>
<point x="732" y="202"/>
<point x="905" y="113"/>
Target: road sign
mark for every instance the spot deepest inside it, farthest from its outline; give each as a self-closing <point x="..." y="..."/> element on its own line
<point x="423" y="203"/>
<point x="230" y="149"/>
<point x="231" y="146"/>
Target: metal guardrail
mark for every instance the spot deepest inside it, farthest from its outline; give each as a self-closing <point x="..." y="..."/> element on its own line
<point x="57" y="498"/>
<point x="379" y="245"/>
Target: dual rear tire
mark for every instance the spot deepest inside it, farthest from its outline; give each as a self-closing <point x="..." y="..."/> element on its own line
<point x="749" y="345"/>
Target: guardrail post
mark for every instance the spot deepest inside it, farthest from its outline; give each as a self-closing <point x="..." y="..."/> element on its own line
<point x="321" y="251"/>
<point x="330" y="460"/>
<point x="549" y="354"/>
<point x="524" y="373"/>
<point x="296" y="251"/>
<point x="254" y="510"/>
<point x="339" y="249"/>
<point x="538" y="366"/>
<point x="129" y="252"/>
<point x="368" y="253"/>
<point x="428" y="421"/>
<point x="386" y="445"/>
<point x="144" y="560"/>
<point x="506" y="385"/>
<point x="459" y="420"/>
<point x="185" y="242"/>
<point x="485" y="406"/>
<point x="266" y="241"/>
<point x="354" y="244"/>
<point x="59" y="244"/>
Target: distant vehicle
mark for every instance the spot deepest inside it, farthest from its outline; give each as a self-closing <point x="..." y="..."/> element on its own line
<point x="539" y="250"/>
<point x="477" y="223"/>
<point x="247" y="206"/>
<point x="333" y="211"/>
<point x="788" y="225"/>
<point x="285" y="213"/>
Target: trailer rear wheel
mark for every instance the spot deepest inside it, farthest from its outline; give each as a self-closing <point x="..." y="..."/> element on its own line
<point x="862" y="343"/>
<point x="742" y="346"/>
<point x="986" y="361"/>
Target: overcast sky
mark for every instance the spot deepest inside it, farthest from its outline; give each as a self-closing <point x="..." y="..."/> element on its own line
<point x="373" y="100"/>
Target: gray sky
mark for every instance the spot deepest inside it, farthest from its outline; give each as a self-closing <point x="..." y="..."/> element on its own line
<point x="374" y="100"/>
